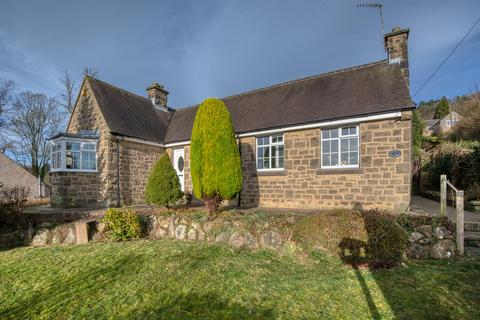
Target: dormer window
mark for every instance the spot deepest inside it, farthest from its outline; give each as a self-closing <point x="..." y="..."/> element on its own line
<point x="73" y="153"/>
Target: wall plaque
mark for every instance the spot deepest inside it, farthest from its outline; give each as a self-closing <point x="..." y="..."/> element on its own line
<point x="394" y="153"/>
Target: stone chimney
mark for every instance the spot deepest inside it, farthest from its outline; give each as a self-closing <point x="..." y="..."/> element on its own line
<point x="158" y="95"/>
<point x="397" y="50"/>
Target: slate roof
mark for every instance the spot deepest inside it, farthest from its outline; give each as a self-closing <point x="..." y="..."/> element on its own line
<point x="129" y="114"/>
<point x="363" y="90"/>
<point x="432" y="122"/>
<point x="367" y="89"/>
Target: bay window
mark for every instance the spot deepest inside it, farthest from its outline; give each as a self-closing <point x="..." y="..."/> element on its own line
<point x="340" y="147"/>
<point x="73" y="154"/>
<point x="270" y="153"/>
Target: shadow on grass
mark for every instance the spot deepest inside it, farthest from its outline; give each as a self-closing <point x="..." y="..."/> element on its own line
<point x="419" y="290"/>
<point x="201" y="306"/>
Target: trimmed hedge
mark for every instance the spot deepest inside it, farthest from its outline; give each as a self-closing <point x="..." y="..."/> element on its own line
<point x="163" y="185"/>
<point x="368" y="237"/>
<point x="122" y="224"/>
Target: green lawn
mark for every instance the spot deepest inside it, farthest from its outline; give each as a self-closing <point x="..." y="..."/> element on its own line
<point x="168" y="279"/>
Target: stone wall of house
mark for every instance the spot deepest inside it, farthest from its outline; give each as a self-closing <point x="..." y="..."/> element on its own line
<point x="136" y="163"/>
<point x="94" y="186"/>
<point x="380" y="182"/>
<point x="76" y="189"/>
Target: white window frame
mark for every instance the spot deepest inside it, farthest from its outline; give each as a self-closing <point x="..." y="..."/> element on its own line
<point x="339" y="138"/>
<point x="270" y="145"/>
<point x="63" y="154"/>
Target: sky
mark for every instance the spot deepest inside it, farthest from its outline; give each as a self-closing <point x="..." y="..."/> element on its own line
<point x="209" y="48"/>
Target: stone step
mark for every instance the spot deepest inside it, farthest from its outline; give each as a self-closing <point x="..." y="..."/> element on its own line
<point x="470" y="235"/>
<point x="472" y="251"/>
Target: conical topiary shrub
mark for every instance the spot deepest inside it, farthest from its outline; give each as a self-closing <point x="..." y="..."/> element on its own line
<point x="163" y="185"/>
<point x="214" y="157"/>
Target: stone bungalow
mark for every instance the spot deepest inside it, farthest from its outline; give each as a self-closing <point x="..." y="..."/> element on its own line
<point x="339" y="139"/>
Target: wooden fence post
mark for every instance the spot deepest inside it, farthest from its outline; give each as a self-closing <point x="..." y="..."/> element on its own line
<point x="443" y="195"/>
<point x="460" y="223"/>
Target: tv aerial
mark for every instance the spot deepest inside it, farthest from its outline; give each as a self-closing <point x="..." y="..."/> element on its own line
<point x="374" y="5"/>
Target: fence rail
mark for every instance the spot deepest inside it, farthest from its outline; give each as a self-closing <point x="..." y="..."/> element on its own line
<point x="459" y="200"/>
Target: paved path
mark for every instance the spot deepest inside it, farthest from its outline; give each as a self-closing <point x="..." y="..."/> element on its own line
<point x="421" y="205"/>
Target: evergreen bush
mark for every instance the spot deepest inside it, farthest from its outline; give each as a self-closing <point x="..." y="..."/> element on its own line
<point x="122" y="224"/>
<point x="163" y="186"/>
<point x="214" y="157"/>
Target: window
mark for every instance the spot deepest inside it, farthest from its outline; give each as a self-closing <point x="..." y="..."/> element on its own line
<point x="340" y="147"/>
<point x="56" y="155"/>
<point x="270" y="152"/>
<point x="451" y="123"/>
<point x="73" y="155"/>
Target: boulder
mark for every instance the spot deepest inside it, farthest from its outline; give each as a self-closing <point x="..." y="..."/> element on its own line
<point x="41" y="237"/>
<point x="70" y="235"/>
<point x="425" y="241"/>
<point x="415" y="236"/>
<point x="223" y="237"/>
<point x="270" y="239"/>
<point x="200" y="235"/>
<point x="418" y="251"/>
<point x="192" y="234"/>
<point x="426" y="229"/>
<point x="237" y="240"/>
<point x="181" y="232"/>
<point x="443" y="249"/>
<point x="171" y="227"/>
<point x="58" y="235"/>
<point x="442" y="233"/>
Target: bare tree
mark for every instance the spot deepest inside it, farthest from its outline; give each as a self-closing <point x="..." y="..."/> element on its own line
<point x="6" y="89"/>
<point x="90" y="71"/>
<point x="32" y="119"/>
<point x="68" y="95"/>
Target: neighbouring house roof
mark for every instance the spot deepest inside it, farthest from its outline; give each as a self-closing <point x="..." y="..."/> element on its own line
<point x="431" y="123"/>
<point x="367" y="89"/>
<point x="13" y="175"/>
<point x="129" y="114"/>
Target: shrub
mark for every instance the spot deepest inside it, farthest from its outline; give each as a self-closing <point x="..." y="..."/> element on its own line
<point x="122" y="224"/>
<point x="163" y="185"/>
<point x="459" y="160"/>
<point x="12" y="203"/>
<point x="356" y="237"/>
<point x="215" y="160"/>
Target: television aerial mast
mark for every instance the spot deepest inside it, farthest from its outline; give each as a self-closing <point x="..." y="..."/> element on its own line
<point x="374" y="5"/>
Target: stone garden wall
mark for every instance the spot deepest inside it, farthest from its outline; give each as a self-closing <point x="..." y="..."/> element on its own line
<point x="426" y="242"/>
<point x="238" y="233"/>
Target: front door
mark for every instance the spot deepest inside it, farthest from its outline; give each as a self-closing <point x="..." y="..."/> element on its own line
<point x="179" y="165"/>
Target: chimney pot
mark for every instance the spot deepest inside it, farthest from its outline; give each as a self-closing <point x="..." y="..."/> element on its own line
<point x="158" y="95"/>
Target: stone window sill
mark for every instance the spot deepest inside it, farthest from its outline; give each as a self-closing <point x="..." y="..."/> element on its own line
<point x="269" y="173"/>
<point x="339" y="171"/>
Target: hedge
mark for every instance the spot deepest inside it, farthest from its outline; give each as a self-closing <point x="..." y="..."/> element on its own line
<point x="368" y="237"/>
